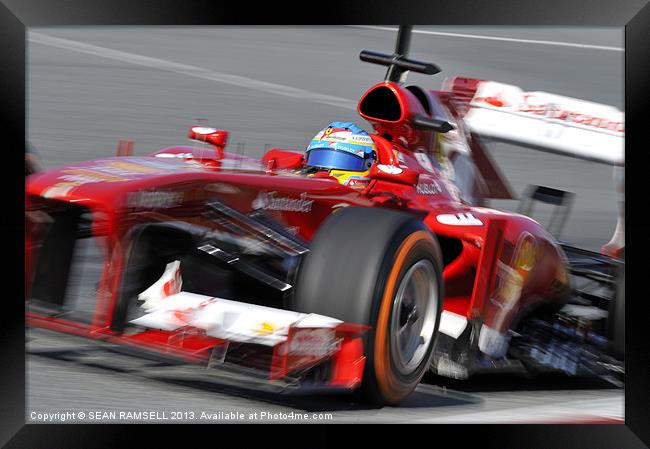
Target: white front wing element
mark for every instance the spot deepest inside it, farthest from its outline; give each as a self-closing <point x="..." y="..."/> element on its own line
<point x="169" y="283"/>
<point x="548" y="122"/>
<point x="220" y="318"/>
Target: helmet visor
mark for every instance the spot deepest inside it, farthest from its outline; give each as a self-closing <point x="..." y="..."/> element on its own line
<point x="340" y="160"/>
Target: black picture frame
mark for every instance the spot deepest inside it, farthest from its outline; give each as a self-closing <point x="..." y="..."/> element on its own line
<point x="17" y="15"/>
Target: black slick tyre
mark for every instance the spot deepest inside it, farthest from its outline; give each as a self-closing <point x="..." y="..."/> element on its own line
<point x="380" y="268"/>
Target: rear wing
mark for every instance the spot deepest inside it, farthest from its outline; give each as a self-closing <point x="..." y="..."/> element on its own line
<point x="541" y="120"/>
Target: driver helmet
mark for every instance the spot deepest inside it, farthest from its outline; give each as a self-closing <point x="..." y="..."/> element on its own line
<point x="344" y="149"/>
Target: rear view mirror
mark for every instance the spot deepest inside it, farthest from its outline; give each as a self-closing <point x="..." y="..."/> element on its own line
<point x="394" y="173"/>
<point x="213" y="136"/>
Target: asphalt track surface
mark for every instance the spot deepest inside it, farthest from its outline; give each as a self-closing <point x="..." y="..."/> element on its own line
<point x="89" y="87"/>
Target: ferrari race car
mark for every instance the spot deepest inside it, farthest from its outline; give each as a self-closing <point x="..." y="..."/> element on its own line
<point x="261" y="272"/>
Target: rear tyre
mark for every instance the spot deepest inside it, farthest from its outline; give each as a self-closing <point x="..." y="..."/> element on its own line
<point x="380" y="268"/>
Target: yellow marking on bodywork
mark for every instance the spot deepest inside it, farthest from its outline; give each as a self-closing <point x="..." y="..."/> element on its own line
<point x="266" y="328"/>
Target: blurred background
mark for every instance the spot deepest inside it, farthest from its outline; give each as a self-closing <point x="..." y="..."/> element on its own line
<point x="88" y="87"/>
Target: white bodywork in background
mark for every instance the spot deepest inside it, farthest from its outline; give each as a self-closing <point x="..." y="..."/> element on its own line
<point x="548" y="122"/>
<point x="170" y="309"/>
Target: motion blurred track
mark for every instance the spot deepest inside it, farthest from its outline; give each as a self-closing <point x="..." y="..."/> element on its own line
<point x="89" y="87"/>
<point x="70" y="374"/>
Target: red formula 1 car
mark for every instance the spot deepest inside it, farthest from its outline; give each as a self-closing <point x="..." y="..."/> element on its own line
<point x="261" y="271"/>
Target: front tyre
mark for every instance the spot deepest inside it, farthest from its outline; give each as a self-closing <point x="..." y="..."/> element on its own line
<point x="381" y="268"/>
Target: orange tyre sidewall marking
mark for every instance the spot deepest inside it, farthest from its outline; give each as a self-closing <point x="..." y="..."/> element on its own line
<point x="383" y="370"/>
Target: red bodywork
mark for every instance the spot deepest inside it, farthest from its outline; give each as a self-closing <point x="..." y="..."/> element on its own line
<point x="498" y="265"/>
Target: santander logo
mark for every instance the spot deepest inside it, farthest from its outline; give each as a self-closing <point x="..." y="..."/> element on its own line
<point x="270" y="201"/>
<point x="556" y="111"/>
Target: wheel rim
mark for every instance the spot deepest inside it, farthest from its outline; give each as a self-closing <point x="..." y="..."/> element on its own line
<point x="413" y="317"/>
